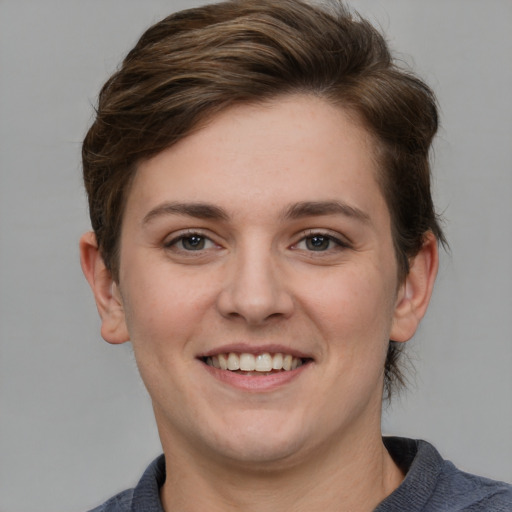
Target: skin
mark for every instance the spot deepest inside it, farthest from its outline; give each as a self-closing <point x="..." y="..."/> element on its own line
<point x="310" y="441"/>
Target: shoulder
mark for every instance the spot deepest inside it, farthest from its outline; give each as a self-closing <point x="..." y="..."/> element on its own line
<point x="121" y="502"/>
<point x="471" y="493"/>
<point x="144" y="496"/>
<point x="433" y="484"/>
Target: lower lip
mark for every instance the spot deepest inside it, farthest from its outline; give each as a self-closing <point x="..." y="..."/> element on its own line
<point x="256" y="383"/>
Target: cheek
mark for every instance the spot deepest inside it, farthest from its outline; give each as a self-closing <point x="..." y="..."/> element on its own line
<point x="354" y="301"/>
<point x="162" y="318"/>
<point x="166" y="307"/>
<point x="353" y="313"/>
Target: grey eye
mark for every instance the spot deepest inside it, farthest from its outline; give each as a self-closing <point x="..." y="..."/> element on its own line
<point x="193" y="243"/>
<point x="318" y="243"/>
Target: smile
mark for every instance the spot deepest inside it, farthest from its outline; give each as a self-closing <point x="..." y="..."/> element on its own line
<point x="264" y="363"/>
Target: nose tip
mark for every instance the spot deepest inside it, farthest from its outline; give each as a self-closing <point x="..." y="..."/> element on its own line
<point x="256" y="293"/>
<point x="255" y="309"/>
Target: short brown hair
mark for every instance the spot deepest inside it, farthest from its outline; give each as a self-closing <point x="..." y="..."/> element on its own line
<point x="195" y="63"/>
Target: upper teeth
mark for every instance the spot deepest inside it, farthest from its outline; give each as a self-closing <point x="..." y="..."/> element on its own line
<point x="249" y="362"/>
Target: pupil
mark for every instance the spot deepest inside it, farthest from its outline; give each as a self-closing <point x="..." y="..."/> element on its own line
<point x="318" y="242"/>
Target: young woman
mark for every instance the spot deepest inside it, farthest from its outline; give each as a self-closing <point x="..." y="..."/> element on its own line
<point x="264" y="235"/>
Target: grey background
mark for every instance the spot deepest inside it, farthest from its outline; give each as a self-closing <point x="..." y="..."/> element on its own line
<point x="76" y="425"/>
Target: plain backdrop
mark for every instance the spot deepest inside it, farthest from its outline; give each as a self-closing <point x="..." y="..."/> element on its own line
<point x="76" y="424"/>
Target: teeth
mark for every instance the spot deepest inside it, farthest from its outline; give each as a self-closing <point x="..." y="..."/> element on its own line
<point x="277" y="361"/>
<point x="233" y="362"/>
<point x="223" y="362"/>
<point x="246" y="362"/>
<point x="263" y="363"/>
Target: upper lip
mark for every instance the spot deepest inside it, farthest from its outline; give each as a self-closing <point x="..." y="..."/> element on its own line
<point x="249" y="348"/>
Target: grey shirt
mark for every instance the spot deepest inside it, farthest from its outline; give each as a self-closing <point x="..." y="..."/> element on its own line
<point x="432" y="484"/>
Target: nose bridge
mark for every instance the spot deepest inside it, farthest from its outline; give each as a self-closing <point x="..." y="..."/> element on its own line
<point x="254" y="289"/>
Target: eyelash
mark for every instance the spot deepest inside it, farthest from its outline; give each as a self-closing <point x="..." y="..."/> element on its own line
<point x="311" y="235"/>
<point x="339" y="243"/>
<point x="172" y="244"/>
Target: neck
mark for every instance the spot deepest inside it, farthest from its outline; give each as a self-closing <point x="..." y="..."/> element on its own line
<point x="353" y="477"/>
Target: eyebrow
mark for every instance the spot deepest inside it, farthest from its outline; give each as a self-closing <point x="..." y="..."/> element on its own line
<point x="318" y="208"/>
<point x="293" y="212"/>
<point x="198" y="210"/>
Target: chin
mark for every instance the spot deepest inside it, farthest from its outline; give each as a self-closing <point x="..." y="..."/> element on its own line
<point x="261" y="441"/>
<point x="262" y="454"/>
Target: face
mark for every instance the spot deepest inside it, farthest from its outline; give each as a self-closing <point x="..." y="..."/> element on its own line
<point x="261" y="242"/>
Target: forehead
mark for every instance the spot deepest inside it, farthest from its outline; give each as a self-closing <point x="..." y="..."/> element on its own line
<point x="261" y="159"/>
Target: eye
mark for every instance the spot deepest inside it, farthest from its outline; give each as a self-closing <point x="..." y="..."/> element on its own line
<point x="190" y="242"/>
<point x="320" y="242"/>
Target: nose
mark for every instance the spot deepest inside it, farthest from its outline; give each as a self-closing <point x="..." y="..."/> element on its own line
<point x="255" y="288"/>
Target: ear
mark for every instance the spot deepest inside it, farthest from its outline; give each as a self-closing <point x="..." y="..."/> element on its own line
<point x="415" y="292"/>
<point x="105" y="289"/>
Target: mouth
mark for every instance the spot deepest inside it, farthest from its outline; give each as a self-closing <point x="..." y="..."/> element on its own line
<point x="254" y="365"/>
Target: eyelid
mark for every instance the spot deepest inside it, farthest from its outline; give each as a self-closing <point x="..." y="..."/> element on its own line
<point x="337" y="238"/>
<point x="187" y="233"/>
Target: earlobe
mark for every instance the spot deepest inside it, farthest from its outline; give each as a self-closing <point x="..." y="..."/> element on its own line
<point x="414" y="294"/>
<point x="105" y="289"/>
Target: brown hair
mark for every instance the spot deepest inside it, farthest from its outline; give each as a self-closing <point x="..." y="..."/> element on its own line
<point x="197" y="62"/>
